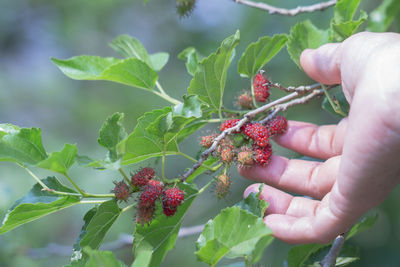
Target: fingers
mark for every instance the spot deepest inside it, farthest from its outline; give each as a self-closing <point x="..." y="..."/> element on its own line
<point x="323" y="64"/>
<point x="314" y="141"/>
<point x="309" y="178"/>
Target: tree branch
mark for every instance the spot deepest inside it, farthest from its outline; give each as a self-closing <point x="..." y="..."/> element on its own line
<point x="287" y="12"/>
<point x="330" y="258"/>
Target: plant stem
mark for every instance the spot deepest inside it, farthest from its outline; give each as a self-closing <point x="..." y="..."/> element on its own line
<point x="163" y="165"/>
<point x="121" y="171"/>
<point x="159" y="87"/>
<point x="206" y="186"/>
<point x="92" y="201"/>
<point x="87" y="195"/>
<point x="195" y="160"/>
<point x="75" y="185"/>
<point x="34" y="177"/>
<point x="164" y="95"/>
<point x="252" y="93"/>
<point x="336" y="107"/>
<point x="232" y="111"/>
<point x="212" y="120"/>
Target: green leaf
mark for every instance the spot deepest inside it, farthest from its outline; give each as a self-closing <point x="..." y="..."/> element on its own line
<point x="192" y="59"/>
<point x="242" y="238"/>
<point x="345" y="10"/>
<point x="97" y="258"/>
<point x="253" y="204"/>
<point x="305" y="35"/>
<point x="209" y="162"/>
<point x="99" y="224"/>
<point x="38" y="203"/>
<point x="61" y="161"/>
<point x="157" y="132"/>
<point x="364" y="224"/>
<point x="340" y="99"/>
<point x="77" y="252"/>
<point x="209" y="81"/>
<point x="343" y="30"/>
<point x="111" y="133"/>
<point x="382" y="17"/>
<point x="159" y="60"/>
<point x="128" y="46"/>
<point x="260" y="53"/>
<point x="298" y="255"/>
<point x="23" y="146"/>
<point x="153" y="241"/>
<point x="130" y="71"/>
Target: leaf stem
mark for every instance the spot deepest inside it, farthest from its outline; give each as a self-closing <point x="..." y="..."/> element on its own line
<point x="212" y="120"/>
<point x="195" y="160"/>
<point x="128" y="207"/>
<point x="44" y="186"/>
<point x="121" y="171"/>
<point x="252" y="93"/>
<point x="206" y="186"/>
<point x="165" y="96"/>
<point x="335" y="106"/>
<point x="232" y="111"/>
<point x="76" y="186"/>
<point x="163" y="165"/>
<point x="92" y="201"/>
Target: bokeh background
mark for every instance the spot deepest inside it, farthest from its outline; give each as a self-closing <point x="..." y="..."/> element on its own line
<point x="34" y="93"/>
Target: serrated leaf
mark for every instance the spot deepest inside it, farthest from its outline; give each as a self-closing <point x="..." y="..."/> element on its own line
<point x="343" y="30"/>
<point x="344" y="10"/>
<point x="129" y="46"/>
<point x="192" y="59"/>
<point x="159" y="60"/>
<point x="153" y="241"/>
<point x="61" y="161"/>
<point x="21" y="145"/>
<point x="340" y="99"/>
<point x="130" y="71"/>
<point x="259" y="53"/>
<point x="38" y="203"/>
<point x="111" y="133"/>
<point x="305" y="35"/>
<point x="99" y="224"/>
<point x="254" y="204"/>
<point x="298" y="255"/>
<point x="246" y="232"/>
<point x="382" y="17"/>
<point x="209" y="81"/>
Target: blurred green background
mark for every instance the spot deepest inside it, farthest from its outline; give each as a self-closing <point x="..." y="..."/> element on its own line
<point x="34" y="93"/>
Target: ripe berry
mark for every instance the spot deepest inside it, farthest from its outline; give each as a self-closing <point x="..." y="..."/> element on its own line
<point x="173" y="197"/>
<point x="261" y="91"/>
<point x="142" y="177"/>
<point x="245" y="101"/>
<point x="121" y="191"/>
<point x="145" y="213"/>
<point x="207" y="141"/>
<point x="263" y="155"/>
<point x="223" y="185"/>
<point x="228" y="124"/>
<point x="151" y="193"/>
<point x="227" y="155"/>
<point x="185" y="7"/>
<point x="245" y="158"/>
<point x="258" y="132"/>
<point x="169" y="211"/>
<point x="277" y="126"/>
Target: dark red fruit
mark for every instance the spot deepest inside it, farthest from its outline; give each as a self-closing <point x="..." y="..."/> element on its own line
<point x="258" y="132"/>
<point x="228" y="124"/>
<point x="145" y="213"/>
<point x="151" y="193"/>
<point x="173" y="197"/>
<point x="278" y="125"/>
<point x="121" y="191"/>
<point x="142" y="177"/>
<point x="263" y="155"/>
<point x="261" y="90"/>
<point x="169" y="211"/>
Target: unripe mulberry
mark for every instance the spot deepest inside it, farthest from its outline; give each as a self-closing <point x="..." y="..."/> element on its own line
<point x="207" y="141"/>
<point x="121" y="191"/>
<point x="227" y="155"/>
<point x="142" y="177"/>
<point x="145" y="213"/>
<point x="278" y="125"/>
<point x="245" y="158"/>
<point x="263" y="155"/>
<point x="258" y="132"/>
<point x="261" y="90"/>
<point x="245" y="101"/>
<point x="151" y="193"/>
<point x="228" y="124"/>
<point x="223" y="186"/>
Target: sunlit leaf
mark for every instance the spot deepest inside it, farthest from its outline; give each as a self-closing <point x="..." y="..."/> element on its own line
<point x="61" y="161"/>
<point x="158" y="60"/>
<point x="192" y="59"/>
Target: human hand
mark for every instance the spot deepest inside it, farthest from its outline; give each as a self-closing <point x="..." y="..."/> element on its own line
<point x="361" y="153"/>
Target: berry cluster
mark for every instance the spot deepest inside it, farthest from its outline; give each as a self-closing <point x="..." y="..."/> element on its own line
<point x="151" y="190"/>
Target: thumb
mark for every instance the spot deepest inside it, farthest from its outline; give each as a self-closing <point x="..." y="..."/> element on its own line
<point x="323" y="64"/>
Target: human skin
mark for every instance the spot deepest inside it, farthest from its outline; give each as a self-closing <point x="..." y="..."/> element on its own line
<point x="361" y="154"/>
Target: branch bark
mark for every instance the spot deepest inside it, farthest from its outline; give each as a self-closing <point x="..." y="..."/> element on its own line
<point x="287" y="12"/>
<point x="330" y="258"/>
